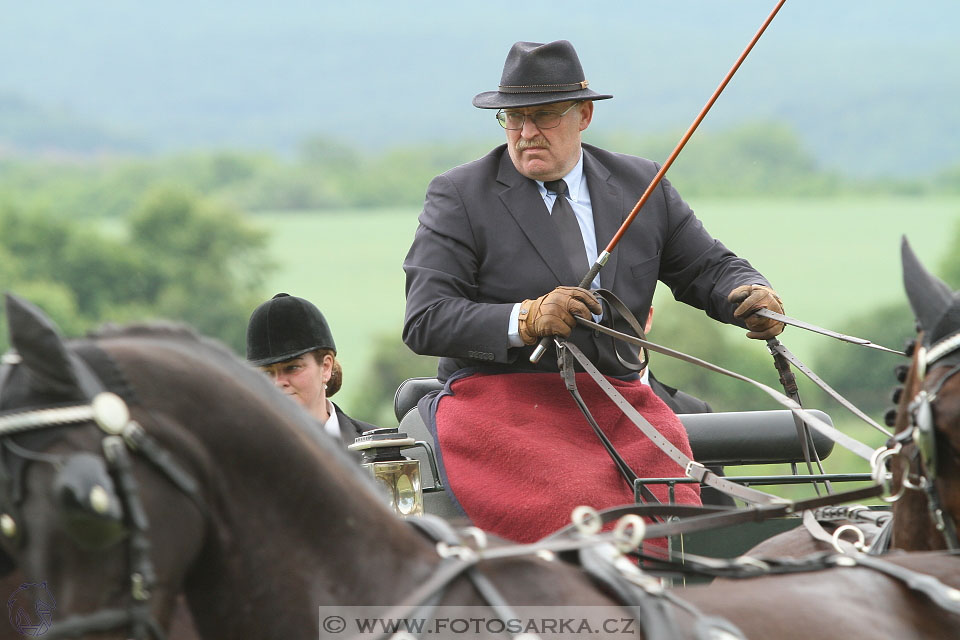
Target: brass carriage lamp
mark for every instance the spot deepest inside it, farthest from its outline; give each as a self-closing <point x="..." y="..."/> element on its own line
<point x="396" y="474"/>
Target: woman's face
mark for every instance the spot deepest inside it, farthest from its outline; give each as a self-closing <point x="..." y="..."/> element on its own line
<point x="303" y="379"/>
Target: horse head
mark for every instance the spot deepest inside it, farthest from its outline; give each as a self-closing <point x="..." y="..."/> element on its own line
<point x="928" y="417"/>
<point x="71" y="512"/>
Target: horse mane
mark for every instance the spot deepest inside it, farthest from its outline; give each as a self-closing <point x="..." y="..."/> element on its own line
<point x="182" y="338"/>
<point x="163" y="329"/>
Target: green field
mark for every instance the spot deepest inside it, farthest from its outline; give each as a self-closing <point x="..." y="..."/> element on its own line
<point x="829" y="259"/>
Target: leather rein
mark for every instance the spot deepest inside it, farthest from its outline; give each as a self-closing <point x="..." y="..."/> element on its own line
<point x="621" y="577"/>
<point x="922" y="431"/>
<point x="569" y="352"/>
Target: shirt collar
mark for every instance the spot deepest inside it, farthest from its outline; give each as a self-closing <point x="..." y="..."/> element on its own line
<point x="572" y="179"/>
<point x="332" y="425"/>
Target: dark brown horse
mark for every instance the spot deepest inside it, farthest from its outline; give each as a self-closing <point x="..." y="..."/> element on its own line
<point x="217" y="486"/>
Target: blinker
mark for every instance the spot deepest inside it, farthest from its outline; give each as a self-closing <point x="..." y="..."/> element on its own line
<point x="90" y="510"/>
<point x="397" y="475"/>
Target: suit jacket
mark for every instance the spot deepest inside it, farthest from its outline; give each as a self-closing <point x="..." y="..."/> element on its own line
<point x="350" y="429"/>
<point x="485" y="242"/>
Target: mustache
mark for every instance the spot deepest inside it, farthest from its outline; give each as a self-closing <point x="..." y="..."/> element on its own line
<point x="538" y="141"/>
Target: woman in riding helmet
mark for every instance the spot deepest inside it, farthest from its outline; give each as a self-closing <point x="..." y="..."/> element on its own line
<point x="289" y="340"/>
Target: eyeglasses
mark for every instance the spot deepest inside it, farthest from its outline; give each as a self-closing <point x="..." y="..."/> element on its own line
<point x="513" y="120"/>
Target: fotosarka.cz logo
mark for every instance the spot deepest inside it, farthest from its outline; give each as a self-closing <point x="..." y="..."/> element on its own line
<point x="30" y="609"/>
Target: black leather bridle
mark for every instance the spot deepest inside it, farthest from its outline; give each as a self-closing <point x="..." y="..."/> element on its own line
<point x="918" y="443"/>
<point x="121" y="437"/>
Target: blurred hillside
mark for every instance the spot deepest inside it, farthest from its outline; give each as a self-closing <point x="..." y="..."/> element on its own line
<point x="868" y="86"/>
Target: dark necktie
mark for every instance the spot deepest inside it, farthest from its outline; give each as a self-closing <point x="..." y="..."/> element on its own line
<point x="566" y="221"/>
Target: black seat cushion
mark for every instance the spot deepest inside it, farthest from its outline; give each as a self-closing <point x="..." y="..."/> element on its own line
<point x="409" y="393"/>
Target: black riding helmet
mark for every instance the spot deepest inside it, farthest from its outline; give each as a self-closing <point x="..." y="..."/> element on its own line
<point x="285" y="327"/>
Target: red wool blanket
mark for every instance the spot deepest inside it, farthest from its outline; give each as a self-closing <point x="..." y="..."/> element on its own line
<point x="519" y="455"/>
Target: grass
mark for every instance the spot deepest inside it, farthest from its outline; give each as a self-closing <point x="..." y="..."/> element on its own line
<point x="349" y="263"/>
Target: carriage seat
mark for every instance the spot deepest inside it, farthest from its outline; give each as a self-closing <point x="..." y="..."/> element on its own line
<point x="717" y="439"/>
<point x="409" y="393"/>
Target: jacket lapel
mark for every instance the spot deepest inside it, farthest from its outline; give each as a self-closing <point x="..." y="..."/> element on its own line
<point x="606" y="200"/>
<point x="522" y="199"/>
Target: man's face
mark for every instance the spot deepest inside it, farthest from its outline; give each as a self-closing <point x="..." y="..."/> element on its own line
<point x="548" y="154"/>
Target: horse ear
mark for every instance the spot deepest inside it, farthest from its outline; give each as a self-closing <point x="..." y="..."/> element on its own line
<point x="930" y="298"/>
<point x="37" y="341"/>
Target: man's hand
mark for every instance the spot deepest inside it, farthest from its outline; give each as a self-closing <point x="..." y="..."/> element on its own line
<point x="751" y="297"/>
<point x="552" y="314"/>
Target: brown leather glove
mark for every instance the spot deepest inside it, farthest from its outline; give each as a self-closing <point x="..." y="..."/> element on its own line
<point x="750" y="298"/>
<point x="552" y="314"/>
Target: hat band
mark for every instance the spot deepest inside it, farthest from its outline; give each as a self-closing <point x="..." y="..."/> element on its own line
<point x="543" y="88"/>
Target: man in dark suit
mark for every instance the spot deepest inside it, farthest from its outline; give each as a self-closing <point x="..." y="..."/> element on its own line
<point x="501" y="245"/>
<point x="492" y="266"/>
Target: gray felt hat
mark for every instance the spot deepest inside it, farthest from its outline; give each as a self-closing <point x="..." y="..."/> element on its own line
<point x="536" y="73"/>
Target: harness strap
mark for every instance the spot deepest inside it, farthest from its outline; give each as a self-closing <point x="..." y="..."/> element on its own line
<point x="692" y="468"/>
<point x="643" y="595"/>
<point x="623" y="312"/>
<point x="882" y="541"/>
<point x="649" y="608"/>
<point x="440" y="531"/>
<point x="805" y="370"/>
<point x="568" y="374"/>
<point x="692" y="518"/>
<point x="816" y="530"/>
<point x="141" y="442"/>
<point x="942" y="520"/>
<point x="103" y="621"/>
<point x="844" y="440"/>
<point x="942" y="595"/>
<point x="789" y="383"/>
<point x="143" y="576"/>
<point x="492" y="595"/>
<point x="881" y="520"/>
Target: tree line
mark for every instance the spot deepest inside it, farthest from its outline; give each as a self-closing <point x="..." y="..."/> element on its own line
<point x="179" y="256"/>
<point x="760" y="159"/>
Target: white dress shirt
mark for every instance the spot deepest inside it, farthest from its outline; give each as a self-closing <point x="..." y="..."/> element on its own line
<point x="578" y="195"/>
